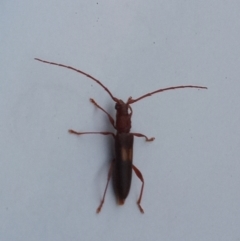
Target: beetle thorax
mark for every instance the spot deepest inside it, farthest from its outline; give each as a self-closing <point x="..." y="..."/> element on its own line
<point x="123" y="117"/>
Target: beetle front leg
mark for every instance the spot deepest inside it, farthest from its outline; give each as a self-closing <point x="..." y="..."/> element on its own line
<point x="140" y="176"/>
<point x="141" y="135"/>
<point x="109" y="116"/>
<point x="104" y="194"/>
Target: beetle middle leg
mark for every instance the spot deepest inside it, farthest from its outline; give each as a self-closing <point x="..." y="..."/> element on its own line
<point x="140" y="176"/>
<point x="110" y="168"/>
<point x="92" y="132"/>
<point x="141" y="135"/>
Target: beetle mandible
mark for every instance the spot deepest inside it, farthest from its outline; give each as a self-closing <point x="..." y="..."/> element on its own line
<point x="122" y="165"/>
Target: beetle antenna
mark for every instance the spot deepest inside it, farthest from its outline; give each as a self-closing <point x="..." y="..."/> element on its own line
<point x="131" y="101"/>
<point x="81" y="72"/>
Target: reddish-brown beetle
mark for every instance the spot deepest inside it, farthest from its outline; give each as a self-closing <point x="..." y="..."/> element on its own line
<point x="121" y="166"/>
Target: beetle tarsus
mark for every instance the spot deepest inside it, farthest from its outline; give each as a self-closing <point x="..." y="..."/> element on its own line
<point x="74" y="132"/>
<point x="100" y="207"/>
<point x="150" y="139"/>
<point x="141" y="209"/>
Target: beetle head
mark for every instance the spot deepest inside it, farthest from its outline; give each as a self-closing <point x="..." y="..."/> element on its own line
<point x="123" y="116"/>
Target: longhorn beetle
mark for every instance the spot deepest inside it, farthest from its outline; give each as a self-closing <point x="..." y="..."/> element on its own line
<point x="122" y="165"/>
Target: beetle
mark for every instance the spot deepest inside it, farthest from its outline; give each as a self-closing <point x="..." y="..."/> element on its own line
<point x="122" y="165"/>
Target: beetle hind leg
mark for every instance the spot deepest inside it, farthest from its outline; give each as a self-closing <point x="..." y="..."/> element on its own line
<point x="104" y="194"/>
<point x="140" y="176"/>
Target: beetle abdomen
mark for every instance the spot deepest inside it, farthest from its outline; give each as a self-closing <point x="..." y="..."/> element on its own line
<point x="122" y="167"/>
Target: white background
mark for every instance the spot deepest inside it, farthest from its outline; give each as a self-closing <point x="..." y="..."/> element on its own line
<point x="51" y="182"/>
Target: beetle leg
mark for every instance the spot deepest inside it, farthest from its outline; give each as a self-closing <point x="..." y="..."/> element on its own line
<point x="109" y="116"/>
<point x="140" y="176"/>
<point x="104" y="194"/>
<point x="141" y="135"/>
<point x="82" y="133"/>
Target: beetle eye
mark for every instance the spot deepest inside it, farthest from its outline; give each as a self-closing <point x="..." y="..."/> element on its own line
<point x="117" y="106"/>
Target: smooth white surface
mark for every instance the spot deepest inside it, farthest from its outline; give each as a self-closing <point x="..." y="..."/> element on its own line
<point x="51" y="182"/>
